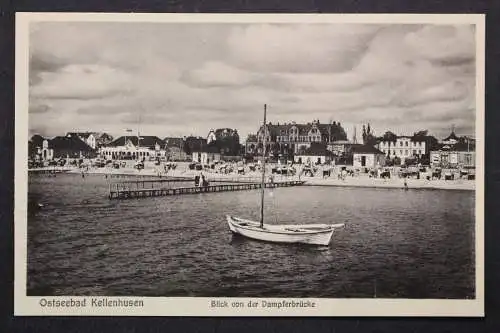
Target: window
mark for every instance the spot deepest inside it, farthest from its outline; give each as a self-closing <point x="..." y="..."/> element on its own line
<point x="406" y="152"/>
<point x="406" y="143"/>
<point x="401" y="143"/>
<point x="414" y="152"/>
<point x="400" y="152"/>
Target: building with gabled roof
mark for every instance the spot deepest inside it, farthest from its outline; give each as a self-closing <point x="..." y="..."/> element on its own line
<point x="206" y="154"/>
<point x="289" y="138"/>
<point x="226" y="139"/>
<point x="451" y="139"/>
<point x="317" y="153"/>
<point x="135" y="148"/>
<point x="366" y="156"/>
<point x="71" y="146"/>
<point x="93" y="139"/>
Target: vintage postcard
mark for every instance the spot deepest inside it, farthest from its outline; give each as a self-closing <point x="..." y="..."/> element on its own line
<point x="249" y="165"/>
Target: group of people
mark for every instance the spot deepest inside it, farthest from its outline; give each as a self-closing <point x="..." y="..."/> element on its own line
<point x="200" y="181"/>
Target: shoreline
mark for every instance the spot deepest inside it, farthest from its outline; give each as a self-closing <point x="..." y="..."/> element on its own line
<point x="463" y="185"/>
<point x="393" y="183"/>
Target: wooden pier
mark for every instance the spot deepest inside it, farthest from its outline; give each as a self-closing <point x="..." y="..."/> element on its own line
<point x="122" y="191"/>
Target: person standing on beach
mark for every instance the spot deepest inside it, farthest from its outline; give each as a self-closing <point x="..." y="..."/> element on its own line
<point x="271" y="180"/>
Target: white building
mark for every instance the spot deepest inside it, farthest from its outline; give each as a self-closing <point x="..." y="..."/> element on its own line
<point x="365" y="156"/>
<point x="404" y="147"/>
<point x="206" y="156"/>
<point x="134" y="148"/>
<point x="45" y="153"/>
<point x="211" y="136"/>
<point x="315" y="154"/>
<point x="312" y="159"/>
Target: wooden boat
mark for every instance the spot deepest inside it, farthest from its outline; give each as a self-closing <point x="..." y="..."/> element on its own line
<point x="316" y="234"/>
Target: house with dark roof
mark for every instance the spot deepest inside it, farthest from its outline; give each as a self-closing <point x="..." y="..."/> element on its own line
<point x="290" y="138"/>
<point x="192" y="143"/>
<point x="451" y="139"/>
<point x="366" y="156"/>
<point x="206" y="154"/>
<point x="317" y="153"/>
<point x="134" y="147"/>
<point x="226" y="139"/>
<point x="70" y="146"/>
<point x="87" y="137"/>
<point x="93" y="139"/>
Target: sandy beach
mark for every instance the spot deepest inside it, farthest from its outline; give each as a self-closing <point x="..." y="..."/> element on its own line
<point x="182" y="171"/>
<point x="458" y="184"/>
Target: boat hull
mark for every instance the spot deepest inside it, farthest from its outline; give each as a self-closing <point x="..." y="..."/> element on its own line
<point x="314" y="234"/>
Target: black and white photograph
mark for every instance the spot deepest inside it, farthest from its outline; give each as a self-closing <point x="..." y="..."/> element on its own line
<point x="249" y="163"/>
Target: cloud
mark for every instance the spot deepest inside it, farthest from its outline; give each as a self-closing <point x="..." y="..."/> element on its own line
<point x="445" y="45"/>
<point x="218" y="74"/>
<point x="81" y="82"/>
<point x="302" y="48"/>
<point x="38" y="108"/>
<point x="187" y="78"/>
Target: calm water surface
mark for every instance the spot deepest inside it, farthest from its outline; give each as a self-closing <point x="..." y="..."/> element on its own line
<point x="412" y="244"/>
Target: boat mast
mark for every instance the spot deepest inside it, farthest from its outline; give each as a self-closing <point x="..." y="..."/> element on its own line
<point x="138" y="137"/>
<point x="263" y="171"/>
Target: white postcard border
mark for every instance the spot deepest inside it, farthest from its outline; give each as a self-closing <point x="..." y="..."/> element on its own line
<point x="202" y="306"/>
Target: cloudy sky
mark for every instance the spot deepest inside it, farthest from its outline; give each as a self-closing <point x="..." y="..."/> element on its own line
<point x="184" y="79"/>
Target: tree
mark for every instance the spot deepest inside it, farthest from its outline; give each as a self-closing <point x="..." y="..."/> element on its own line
<point x="368" y="137"/>
<point x="431" y="142"/>
<point x="389" y="136"/>
<point x="421" y="134"/>
<point x="187" y="148"/>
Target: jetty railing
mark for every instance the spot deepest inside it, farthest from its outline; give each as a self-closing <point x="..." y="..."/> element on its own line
<point x="120" y="191"/>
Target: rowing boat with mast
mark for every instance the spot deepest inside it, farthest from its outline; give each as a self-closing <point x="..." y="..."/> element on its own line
<point x="316" y="234"/>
